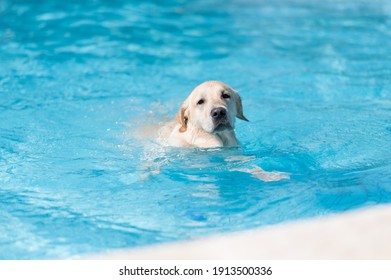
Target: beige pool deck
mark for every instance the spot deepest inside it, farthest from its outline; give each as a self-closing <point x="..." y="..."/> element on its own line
<point x="358" y="234"/>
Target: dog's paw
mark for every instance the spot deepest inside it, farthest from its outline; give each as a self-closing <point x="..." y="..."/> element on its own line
<point x="263" y="175"/>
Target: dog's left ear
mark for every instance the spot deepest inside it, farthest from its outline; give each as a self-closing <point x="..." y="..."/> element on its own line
<point x="239" y="107"/>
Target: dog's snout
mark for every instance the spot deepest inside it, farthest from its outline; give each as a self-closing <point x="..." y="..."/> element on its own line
<point x="218" y="113"/>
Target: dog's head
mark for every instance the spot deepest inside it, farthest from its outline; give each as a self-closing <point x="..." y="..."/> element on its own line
<point x="212" y="106"/>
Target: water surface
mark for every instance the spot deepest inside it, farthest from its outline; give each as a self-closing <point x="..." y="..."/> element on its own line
<point x="76" y="77"/>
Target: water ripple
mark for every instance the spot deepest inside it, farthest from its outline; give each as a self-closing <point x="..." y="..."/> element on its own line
<point x="76" y="80"/>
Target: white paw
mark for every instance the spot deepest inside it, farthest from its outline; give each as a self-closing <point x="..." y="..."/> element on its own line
<point x="263" y="175"/>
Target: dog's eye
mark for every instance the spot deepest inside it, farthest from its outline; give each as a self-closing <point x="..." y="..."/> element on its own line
<point x="225" y="96"/>
<point x="201" y="101"/>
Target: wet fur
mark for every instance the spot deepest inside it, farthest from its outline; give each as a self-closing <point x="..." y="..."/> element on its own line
<point x="193" y="125"/>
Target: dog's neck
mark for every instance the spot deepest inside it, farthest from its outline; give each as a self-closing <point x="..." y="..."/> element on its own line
<point x="228" y="137"/>
<point x="200" y="138"/>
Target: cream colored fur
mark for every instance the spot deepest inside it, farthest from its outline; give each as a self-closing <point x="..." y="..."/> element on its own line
<point x="194" y="125"/>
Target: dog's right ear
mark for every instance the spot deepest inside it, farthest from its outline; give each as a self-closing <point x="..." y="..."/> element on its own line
<point x="182" y="116"/>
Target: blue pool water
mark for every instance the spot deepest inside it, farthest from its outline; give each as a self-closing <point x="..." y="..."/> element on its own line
<point x="77" y="78"/>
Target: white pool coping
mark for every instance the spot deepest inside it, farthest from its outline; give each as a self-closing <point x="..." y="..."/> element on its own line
<point x="358" y="234"/>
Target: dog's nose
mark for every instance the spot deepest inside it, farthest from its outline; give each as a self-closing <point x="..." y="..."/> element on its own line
<point x="218" y="113"/>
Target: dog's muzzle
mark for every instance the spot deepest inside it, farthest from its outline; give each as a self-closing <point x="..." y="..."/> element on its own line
<point x="219" y="117"/>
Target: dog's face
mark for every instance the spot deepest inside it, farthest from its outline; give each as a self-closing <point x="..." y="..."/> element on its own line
<point x="212" y="107"/>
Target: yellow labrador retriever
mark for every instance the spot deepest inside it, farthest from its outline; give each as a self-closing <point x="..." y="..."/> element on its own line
<point x="206" y="118"/>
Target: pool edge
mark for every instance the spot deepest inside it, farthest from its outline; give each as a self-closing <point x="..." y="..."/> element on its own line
<point x="356" y="234"/>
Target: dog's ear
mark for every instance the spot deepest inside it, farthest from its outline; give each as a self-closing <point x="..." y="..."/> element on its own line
<point x="182" y="116"/>
<point x="239" y="108"/>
